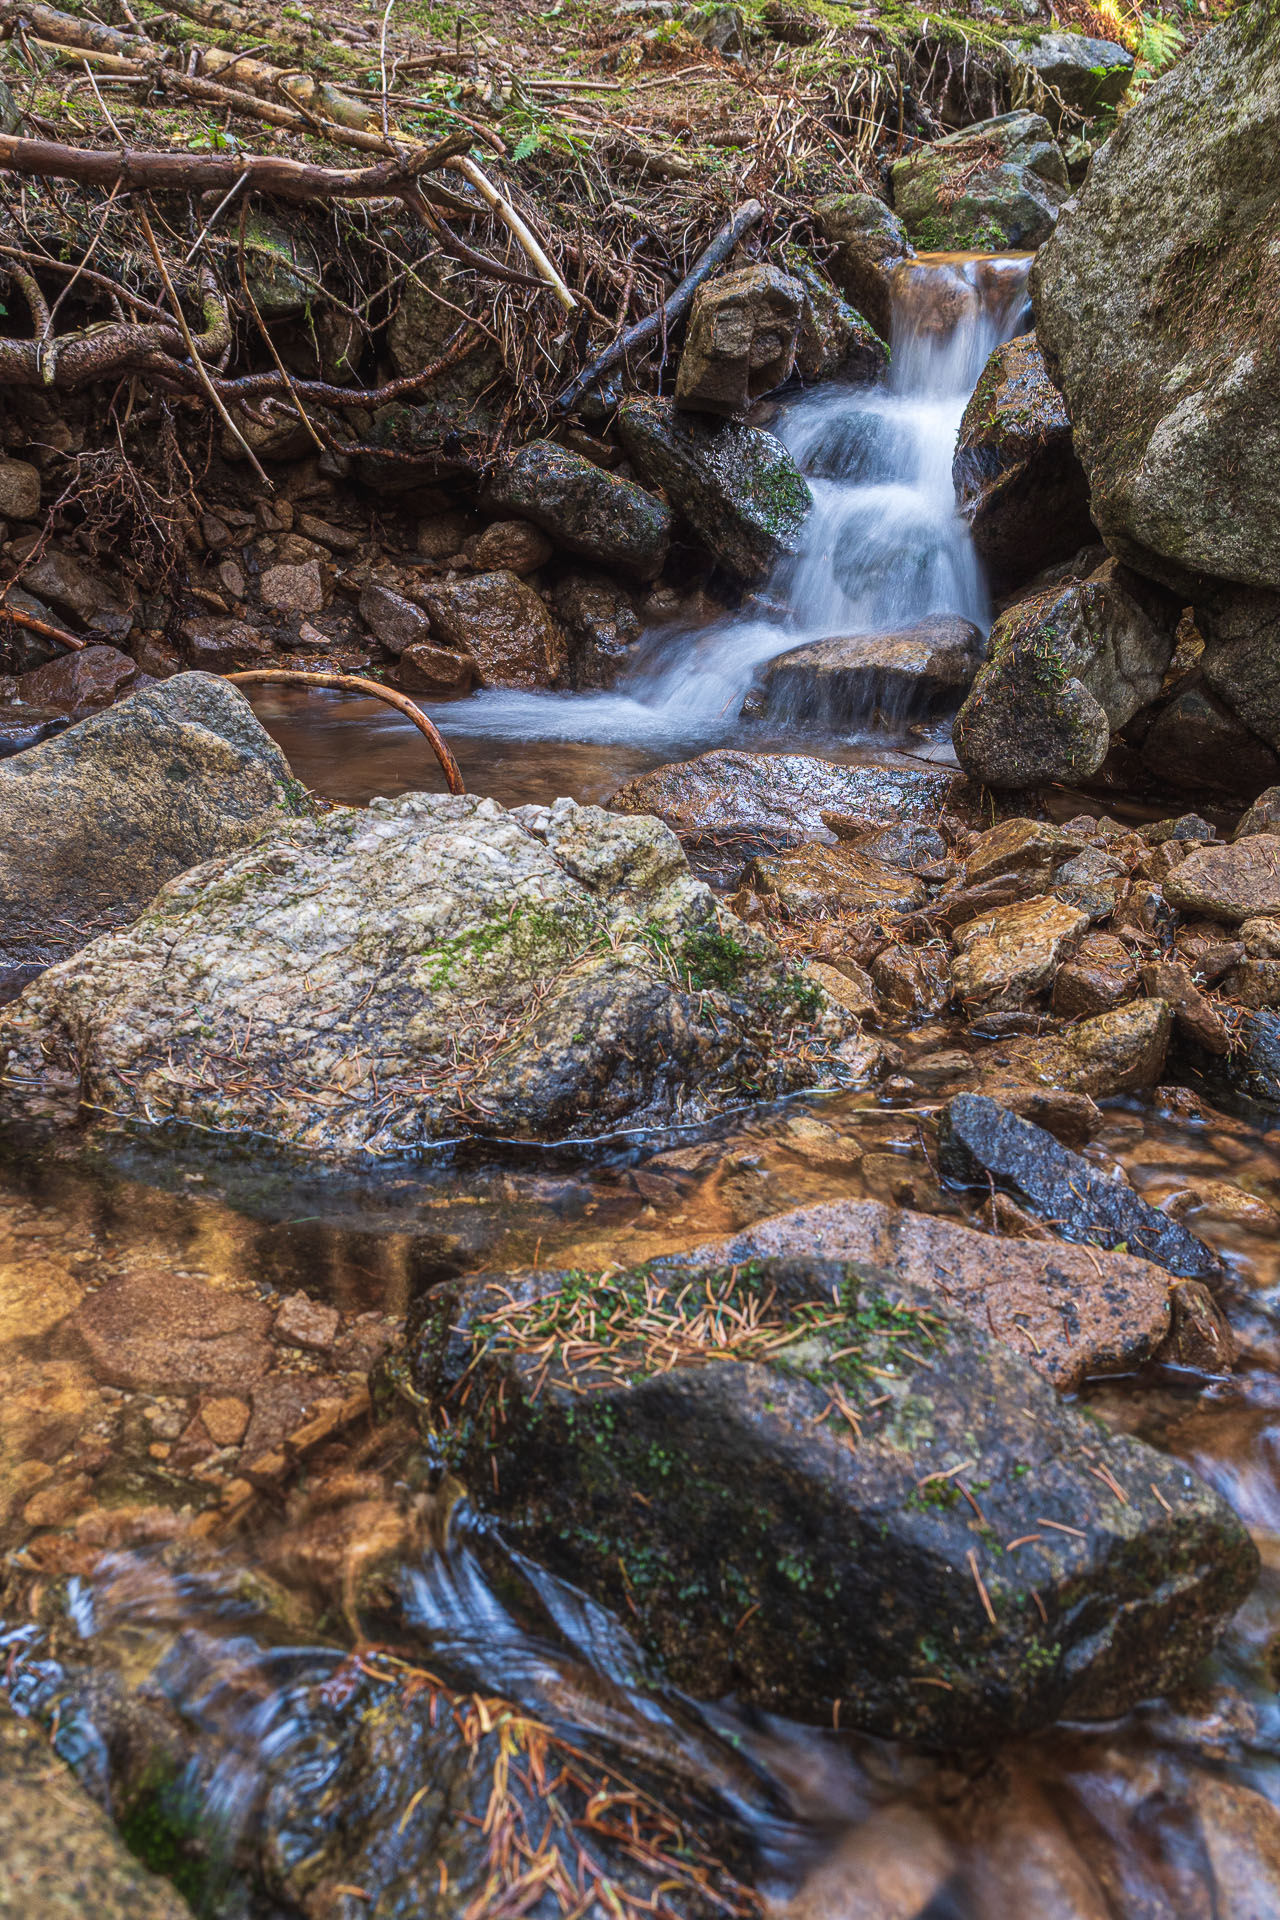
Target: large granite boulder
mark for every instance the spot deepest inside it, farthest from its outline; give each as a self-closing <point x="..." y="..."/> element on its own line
<point x="844" y="681"/>
<point x="584" y="509"/>
<point x="758" y="1460"/>
<point x="431" y="966"/>
<point x="867" y="240"/>
<point x="1156" y="305"/>
<point x="991" y="187"/>
<point x="1017" y="479"/>
<point x="93" y="822"/>
<point x="737" y="487"/>
<point x="1066" y="668"/>
<point x="741" y="340"/>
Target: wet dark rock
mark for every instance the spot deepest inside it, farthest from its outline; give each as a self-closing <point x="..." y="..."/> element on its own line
<point x="62" y="1855"/>
<point x="1262" y="817"/>
<point x="737" y="487"/>
<point x="1121" y="1051"/>
<point x="740" y="341"/>
<point x="1018" y="481"/>
<point x="977" y="1138"/>
<point x="22" y="726"/>
<point x="1250" y="983"/>
<point x="218" y="645"/>
<point x="428" y="669"/>
<point x="868" y="241"/>
<point x="517" y="545"/>
<point x="1232" y="882"/>
<point x="1031" y="849"/>
<point x="352" y="1776"/>
<point x="1197" y="744"/>
<point x="843" y="681"/>
<point x="836" y="342"/>
<point x="916" y="980"/>
<point x="394" y="622"/>
<point x="584" y="509"/>
<point x="782" y="798"/>
<point x="1168" y="382"/>
<point x="504" y="626"/>
<point x="79" y="683"/>
<point x="1249" y="1076"/>
<point x="789" y="1541"/>
<point x="75" y="588"/>
<point x="371" y="981"/>
<point x="1085" y="73"/>
<point x="1010" y="954"/>
<point x="600" y="618"/>
<point x="1066" y="668"/>
<point x="1195" y="1016"/>
<point x="817" y="882"/>
<point x="1101" y="974"/>
<point x="992" y="187"/>
<point x="93" y="822"/>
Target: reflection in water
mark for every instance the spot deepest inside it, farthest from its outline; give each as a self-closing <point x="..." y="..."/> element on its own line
<point x="245" y="1656"/>
<point x="883" y="547"/>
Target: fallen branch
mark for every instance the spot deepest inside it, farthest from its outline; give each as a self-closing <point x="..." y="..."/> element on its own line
<point x="355" y="683"/>
<point x="42" y="627"/>
<point x="295" y="180"/>
<point x="746" y="217"/>
<point x="521" y="233"/>
<point x="252" y="386"/>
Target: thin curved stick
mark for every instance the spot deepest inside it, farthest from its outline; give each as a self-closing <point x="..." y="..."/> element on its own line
<point x="356" y="683"/>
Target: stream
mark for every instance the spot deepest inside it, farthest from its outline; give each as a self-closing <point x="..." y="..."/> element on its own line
<point x="249" y="1649"/>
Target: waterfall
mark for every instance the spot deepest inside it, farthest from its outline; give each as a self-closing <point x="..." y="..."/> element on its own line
<point x="883" y="547"/>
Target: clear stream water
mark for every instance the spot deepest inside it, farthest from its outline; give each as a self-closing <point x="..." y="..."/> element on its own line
<point x="1164" y="1816"/>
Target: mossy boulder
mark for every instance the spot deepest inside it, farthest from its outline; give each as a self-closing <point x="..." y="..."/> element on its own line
<point x="1017" y="479"/>
<point x="430" y="967"/>
<point x="1086" y="74"/>
<point x="737" y="487"/>
<point x="584" y="509"/>
<point x="1067" y="667"/>
<point x="867" y="241"/>
<point x="836" y="343"/>
<point x="803" y="1480"/>
<point x="1158" y="305"/>
<point x="990" y="187"/>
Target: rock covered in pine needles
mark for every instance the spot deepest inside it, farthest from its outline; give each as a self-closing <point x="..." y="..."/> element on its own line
<point x="809" y="1482"/>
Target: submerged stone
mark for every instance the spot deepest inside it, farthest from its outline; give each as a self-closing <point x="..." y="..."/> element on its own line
<point x="759" y="1461"/>
<point x="431" y="966"/>
<point x="979" y="1138"/>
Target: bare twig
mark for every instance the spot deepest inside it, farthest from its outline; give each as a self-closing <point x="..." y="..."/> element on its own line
<point x="355" y="683"/>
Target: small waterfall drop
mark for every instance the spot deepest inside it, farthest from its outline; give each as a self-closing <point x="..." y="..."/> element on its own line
<point x="883" y="548"/>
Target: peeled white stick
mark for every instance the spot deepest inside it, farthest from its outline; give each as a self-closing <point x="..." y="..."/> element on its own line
<point x="523" y="237"/>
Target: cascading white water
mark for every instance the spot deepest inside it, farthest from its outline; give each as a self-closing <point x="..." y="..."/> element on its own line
<point x="883" y="547"/>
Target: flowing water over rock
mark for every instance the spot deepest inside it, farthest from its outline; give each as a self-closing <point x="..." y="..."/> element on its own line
<point x="883" y="549"/>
